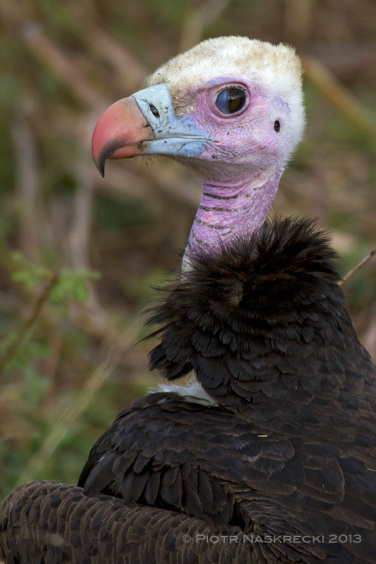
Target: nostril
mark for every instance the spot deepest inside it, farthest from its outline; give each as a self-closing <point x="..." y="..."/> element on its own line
<point x="154" y="110"/>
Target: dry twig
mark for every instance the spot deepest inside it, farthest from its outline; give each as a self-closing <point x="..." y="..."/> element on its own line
<point x="357" y="267"/>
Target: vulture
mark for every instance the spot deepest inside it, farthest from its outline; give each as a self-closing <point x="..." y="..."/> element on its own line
<point x="268" y="453"/>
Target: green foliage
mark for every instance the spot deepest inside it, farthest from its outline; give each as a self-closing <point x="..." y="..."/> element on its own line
<point x="72" y="285"/>
<point x="27" y="353"/>
<point x="27" y="273"/>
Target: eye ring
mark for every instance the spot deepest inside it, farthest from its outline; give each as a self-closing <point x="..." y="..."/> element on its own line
<point x="231" y="100"/>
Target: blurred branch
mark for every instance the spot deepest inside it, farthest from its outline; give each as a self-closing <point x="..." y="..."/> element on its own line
<point x="347" y="60"/>
<point x="298" y="17"/>
<point x="79" y="236"/>
<point x="129" y="71"/>
<point x="197" y="20"/>
<point x="80" y="231"/>
<point x="60" y="65"/>
<point x="27" y="180"/>
<point x="66" y="421"/>
<point x="28" y="323"/>
<point x="357" y="267"/>
<point x="340" y="97"/>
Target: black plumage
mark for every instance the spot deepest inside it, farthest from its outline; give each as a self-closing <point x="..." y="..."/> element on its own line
<point x="265" y="327"/>
<point x="293" y="429"/>
<point x="53" y="523"/>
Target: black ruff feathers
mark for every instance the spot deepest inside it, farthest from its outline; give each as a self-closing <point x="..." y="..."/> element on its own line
<point x="260" y="322"/>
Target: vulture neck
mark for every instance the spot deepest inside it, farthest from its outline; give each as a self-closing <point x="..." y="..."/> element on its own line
<point x="232" y="209"/>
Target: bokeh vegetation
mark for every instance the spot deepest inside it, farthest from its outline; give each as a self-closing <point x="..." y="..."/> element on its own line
<point x="79" y="255"/>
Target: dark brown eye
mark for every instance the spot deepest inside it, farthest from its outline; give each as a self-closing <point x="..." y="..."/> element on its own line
<point x="231" y="100"/>
<point x="277" y="126"/>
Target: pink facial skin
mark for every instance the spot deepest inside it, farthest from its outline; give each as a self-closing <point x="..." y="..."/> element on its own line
<point x="248" y="157"/>
<point x="227" y="212"/>
<point x="239" y="150"/>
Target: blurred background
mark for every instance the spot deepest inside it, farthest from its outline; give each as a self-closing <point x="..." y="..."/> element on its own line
<point x="80" y="256"/>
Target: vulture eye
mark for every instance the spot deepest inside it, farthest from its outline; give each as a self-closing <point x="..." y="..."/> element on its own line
<point x="277" y="125"/>
<point x="231" y="100"/>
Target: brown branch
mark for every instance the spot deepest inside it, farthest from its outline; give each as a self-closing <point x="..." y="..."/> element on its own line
<point x="357" y="267"/>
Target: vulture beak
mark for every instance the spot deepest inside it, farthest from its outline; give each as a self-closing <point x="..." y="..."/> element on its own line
<point x="145" y="123"/>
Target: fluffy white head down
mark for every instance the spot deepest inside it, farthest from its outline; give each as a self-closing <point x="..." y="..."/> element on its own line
<point x="275" y="69"/>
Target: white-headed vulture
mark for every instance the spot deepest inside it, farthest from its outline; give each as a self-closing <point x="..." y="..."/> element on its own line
<point x="269" y="453"/>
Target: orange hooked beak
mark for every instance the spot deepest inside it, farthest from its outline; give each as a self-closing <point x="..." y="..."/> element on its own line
<point x="145" y="123"/>
<point x="120" y="132"/>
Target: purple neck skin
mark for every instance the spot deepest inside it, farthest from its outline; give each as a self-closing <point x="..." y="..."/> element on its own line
<point x="231" y="210"/>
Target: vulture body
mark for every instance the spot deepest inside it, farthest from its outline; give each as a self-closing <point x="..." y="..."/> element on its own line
<point x="269" y="454"/>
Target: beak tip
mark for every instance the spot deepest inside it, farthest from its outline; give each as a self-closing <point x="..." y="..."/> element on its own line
<point x="100" y="163"/>
<point x="100" y="167"/>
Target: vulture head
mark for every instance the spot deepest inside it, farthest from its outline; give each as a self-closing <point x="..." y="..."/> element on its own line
<point x="231" y="108"/>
